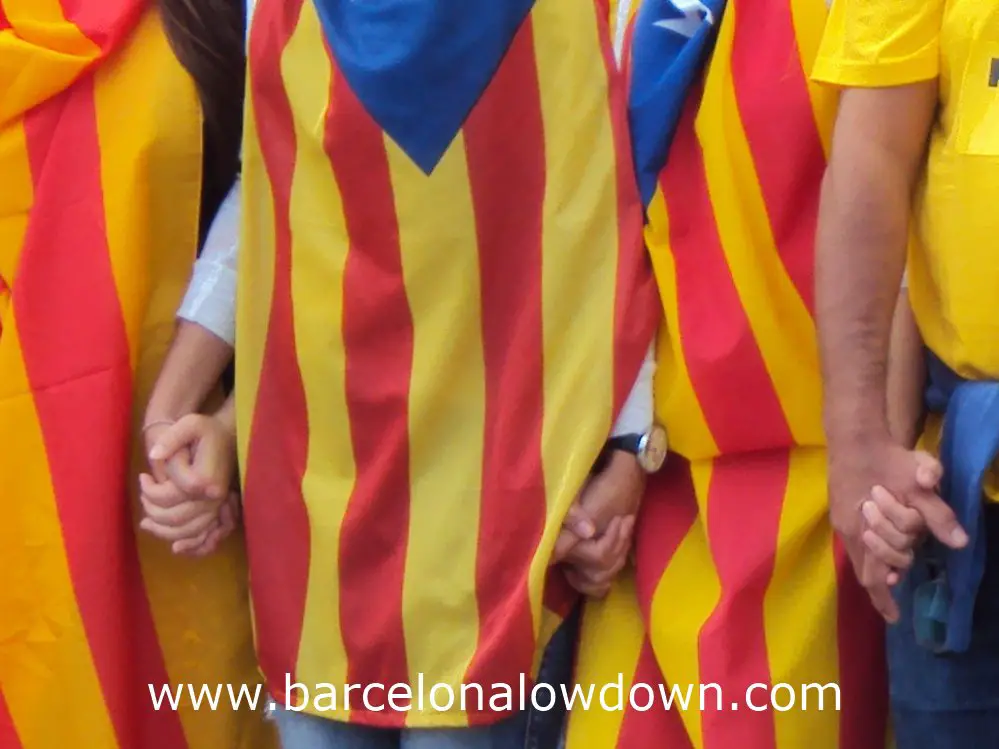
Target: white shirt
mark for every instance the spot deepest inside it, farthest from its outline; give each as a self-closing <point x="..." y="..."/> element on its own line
<point x="211" y="295"/>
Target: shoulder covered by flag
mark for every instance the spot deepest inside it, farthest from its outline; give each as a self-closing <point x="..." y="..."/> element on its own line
<point x="670" y="43"/>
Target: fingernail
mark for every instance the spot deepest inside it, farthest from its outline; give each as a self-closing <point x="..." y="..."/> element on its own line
<point x="585" y="529"/>
<point x="868" y="510"/>
<point x="156" y="453"/>
<point x="959" y="537"/>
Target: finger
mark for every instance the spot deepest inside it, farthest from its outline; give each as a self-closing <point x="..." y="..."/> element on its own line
<point x="579" y="522"/>
<point x="875" y="582"/>
<point x="179" y="515"/>
<point x="939" y="519"/>
<point x="907" y="520"/>
<point x="186" y="476"/>
<point x="211" y="463"/>
<point x="564" y="545"/>
<point x="159" y="495"/>
<point x="585" y="587"/>
<point x="190" y="546"/>
<point x="891" y="557"/>
<point x="883" y="527"/>
<point x="183" y="434"/>
<point x="598" y="553"/>
<point x="929" y="470"/>
<point x="195" y="527"/>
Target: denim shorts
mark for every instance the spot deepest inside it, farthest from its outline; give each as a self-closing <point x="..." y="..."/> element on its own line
<point x="949" y="701"/>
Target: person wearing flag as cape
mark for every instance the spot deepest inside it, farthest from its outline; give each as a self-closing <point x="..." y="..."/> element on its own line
<point x="915" y="159"/>
<point x="117" y="143"/>
<point x="739" y="584"/>
<point x="442" y="328"/>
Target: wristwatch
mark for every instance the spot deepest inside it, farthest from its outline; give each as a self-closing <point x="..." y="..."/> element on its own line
<point x="649" y="448"/>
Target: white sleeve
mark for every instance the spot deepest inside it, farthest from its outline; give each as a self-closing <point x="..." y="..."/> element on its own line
<point x="638" y="412"/>
<point x="211" y="295"/>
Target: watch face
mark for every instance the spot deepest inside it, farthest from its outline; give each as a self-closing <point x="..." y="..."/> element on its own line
<point x="652" y="453"/>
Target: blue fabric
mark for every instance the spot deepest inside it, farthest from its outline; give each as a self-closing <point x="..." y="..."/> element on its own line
<point x="948" y="702"/>
<point x="672" y="39"/>
<point x="420" y="66"/>
<point x="946" y="581"/>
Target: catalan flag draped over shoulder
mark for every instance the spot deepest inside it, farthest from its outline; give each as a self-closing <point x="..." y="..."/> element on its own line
<point x="738" y="579"/>
<point x="100" y="157"/>
<point x="444" y="301"/>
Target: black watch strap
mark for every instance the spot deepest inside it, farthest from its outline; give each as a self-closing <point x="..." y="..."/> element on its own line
<point x="629" y="443"/>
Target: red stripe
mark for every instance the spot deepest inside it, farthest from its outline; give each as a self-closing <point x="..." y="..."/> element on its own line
<point x="745" y="500"/>
<point x="667" y="514"/>
<point x="777" y="114"/>
<point x="863" y="677"/>
<point x="637" y="309"/>
<point x="655" y="728"/>
<point x="378" y="337"/>
<point x="8" y="731"/>
<point x="105" y="23"/>
<point x="77" y="358"/>
<point x="726" y="368"/>
<point x="504" y="140"/>
<point x="277" y="523"/>
<point x="4" y="21"/>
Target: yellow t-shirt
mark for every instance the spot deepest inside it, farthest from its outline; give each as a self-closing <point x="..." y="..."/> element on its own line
<point x="954" y="262"/>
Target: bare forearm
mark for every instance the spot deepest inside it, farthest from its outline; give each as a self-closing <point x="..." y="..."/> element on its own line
<point x="861" y="246"/>
<point x="906" y="375"/>
<point x="191" y="370"/>
<point x="859" y="262"/>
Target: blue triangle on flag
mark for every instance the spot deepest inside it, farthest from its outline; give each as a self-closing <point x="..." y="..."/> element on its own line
<point x="420" y="66"/>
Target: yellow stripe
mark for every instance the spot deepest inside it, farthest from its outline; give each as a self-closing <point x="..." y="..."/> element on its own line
<point x="676" y="402"/>
<point x="151" y="204"/>
<point x="255" y="274"/>
<point x="611" y="640"/>
<point x="809" y="18"/>
<point x="46" y="669"/>
<point x="16" y="196"/>
<point x="200" y="609"/>
<point x="446" y="328"/>
<point x="685" y="598"/>
<point x="317" y="272"/>
<point x="800" y="616"/>
<point x="780" y="322"/>
<point x="41" y="55"/>
<point x="578" y="289"/>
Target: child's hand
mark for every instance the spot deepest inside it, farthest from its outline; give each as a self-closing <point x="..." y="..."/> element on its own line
<point x="191" y="505"/>
<point x="892" y="531"/>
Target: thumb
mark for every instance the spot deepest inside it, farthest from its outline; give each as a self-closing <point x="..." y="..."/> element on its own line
<point x="929" y="471"/>
<point x="579" y="522"/>
<point x="185" y="433"/>
<point x="940" y="520"/>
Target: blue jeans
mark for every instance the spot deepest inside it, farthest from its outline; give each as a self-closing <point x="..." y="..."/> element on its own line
<point x="951" y="701"/>
<point x="529" y="729"/>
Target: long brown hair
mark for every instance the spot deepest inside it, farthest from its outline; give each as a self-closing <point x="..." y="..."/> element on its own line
<point x="207" y="37"/>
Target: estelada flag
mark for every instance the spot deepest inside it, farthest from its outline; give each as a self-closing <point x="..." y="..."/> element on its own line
<point x="741" y="601"/>
<point x="444" y="302"/>
<point x="100" y="177"/>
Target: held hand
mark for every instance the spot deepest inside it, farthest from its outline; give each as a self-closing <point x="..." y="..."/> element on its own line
<point x="593" y="565"/>
<point x="198" y="455"/>
<point x="597" y="533"/>
<point x="174" y="516"/>
<point x="187" y="500"/>
<point x="891" y="532"/>
<point x="907" y="475"/>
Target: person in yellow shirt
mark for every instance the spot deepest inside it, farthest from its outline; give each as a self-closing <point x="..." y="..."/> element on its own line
<point x="917" y="145"/>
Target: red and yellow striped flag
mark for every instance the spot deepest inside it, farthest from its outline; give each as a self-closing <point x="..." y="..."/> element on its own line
<point x="430" y="359"/>
<point x="100" y="157"/>
<point x="738" y="578"/>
